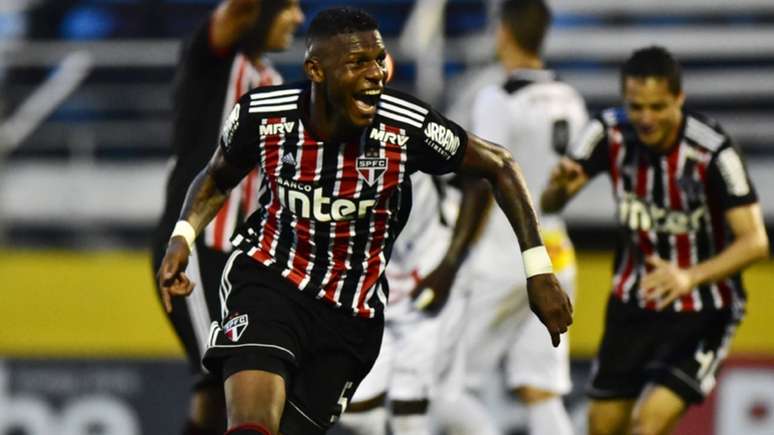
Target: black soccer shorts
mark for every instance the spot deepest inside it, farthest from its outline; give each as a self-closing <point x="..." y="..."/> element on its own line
<point x="322" y="352"/>
<point x="680" y="351"/>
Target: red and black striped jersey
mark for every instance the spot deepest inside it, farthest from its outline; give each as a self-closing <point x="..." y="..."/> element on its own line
<point x="330" y="212"/>
<point x="242" y="201"/>
<point x="670" y="204"/>
<point x="207" y="85"/>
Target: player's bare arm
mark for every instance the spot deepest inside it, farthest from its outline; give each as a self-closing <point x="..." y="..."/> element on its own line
<point x="666" y="281"/>
<point x="433" y="291"/>
<point x="205" y="197"/>
<point x="567" y="179"/>
<point x="494" y="163"/>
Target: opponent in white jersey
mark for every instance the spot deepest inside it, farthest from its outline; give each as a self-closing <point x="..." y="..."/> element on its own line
<point x="537" y="116"/>
<point x="416" y="359"/>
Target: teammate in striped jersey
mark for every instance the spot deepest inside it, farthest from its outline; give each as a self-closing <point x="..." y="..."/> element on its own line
<point x="690" y="222"/>
<point x="303" y="294"/>
<point x="222" y="60"/>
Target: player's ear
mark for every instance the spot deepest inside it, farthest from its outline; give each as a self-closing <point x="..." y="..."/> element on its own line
<point x="680" y="98"/>
<point x="313" y="69"/>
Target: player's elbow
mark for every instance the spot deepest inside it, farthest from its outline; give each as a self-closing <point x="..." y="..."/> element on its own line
<point x="506" y="170"/>
<point x="756" y="244"/>
<point x="761" y="246"/>
<point x="503" y="163"/>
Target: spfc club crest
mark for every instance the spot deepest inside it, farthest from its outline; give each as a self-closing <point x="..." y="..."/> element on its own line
<point x="371" y="169"/>
<point x="235" y="327"/>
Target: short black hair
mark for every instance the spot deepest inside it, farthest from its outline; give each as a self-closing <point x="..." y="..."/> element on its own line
<point x="340" y="20"/>
<point x="654" y="61"/>
<point x="527" y="21"/>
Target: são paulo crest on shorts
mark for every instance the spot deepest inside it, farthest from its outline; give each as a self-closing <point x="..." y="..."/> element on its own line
<point x="235" y="327"/>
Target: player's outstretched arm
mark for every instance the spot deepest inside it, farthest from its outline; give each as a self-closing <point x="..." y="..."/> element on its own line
<point x="546" y="298"/>
<point x="433" y="291"/>
<point x="205" y="197"/>
<point x="567" y="179"/>
<point x="666" y="281"/>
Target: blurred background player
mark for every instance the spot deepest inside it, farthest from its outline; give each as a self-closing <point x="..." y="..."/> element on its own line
<point x="689" y="222"/>
<point x="424" y="318"/>
<point x="420" y="334"/>
<point x="536" y="115"/>
<point x="221" y="61"/>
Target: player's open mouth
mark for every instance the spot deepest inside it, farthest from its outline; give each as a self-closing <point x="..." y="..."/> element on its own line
<point x="366" y="101"/>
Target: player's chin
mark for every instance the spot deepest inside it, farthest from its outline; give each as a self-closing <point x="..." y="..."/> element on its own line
<point x="362" y="116"/>
<point x="362" y="121"/>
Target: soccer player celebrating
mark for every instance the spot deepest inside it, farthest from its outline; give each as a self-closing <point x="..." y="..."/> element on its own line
<point x="690" y="222"/>
<point x="222" y="60"/>
<point x="303" y="293"/>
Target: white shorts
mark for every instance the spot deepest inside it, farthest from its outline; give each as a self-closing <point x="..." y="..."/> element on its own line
<point x="424" y="352"/>
<point x="421" y="355"/>
<point x="501" y="327"/>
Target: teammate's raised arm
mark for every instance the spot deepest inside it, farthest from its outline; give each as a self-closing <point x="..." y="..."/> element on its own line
<point x="248" y="24"/>
<point x="495" y="163"/>
<point x="567" y="179"/>
<point x="432" y="292"/>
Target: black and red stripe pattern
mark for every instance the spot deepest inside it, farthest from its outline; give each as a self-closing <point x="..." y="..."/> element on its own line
<point x="669" y="204"/>
<point x="329" y="213"/>
<point x="243" y="199"/>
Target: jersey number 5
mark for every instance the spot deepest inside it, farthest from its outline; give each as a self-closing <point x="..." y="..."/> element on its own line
<point x="342" y="402"/>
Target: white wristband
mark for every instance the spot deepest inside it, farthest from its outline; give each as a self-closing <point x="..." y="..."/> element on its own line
<point x="186" y="231"/>
<point x="536" y="261"/>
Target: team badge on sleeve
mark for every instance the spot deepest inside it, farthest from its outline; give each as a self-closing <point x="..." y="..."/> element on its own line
<point x="234" y="328"/>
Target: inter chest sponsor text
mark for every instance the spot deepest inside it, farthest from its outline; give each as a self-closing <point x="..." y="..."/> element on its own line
<point x="311" y="203"/>
<point x="640" y="215"/>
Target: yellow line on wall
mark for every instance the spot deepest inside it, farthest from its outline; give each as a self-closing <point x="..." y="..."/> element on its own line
<point x="77" y="304"/>
<point x="753" y="337"/>
<point x="103" y="304"/>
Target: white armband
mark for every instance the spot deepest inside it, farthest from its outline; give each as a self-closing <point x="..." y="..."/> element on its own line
<point x="536" y="261"/>
<point x="186" y="231"/>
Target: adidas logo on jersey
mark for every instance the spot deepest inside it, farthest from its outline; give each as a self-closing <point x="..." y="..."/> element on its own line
<point x="288" y="159"/>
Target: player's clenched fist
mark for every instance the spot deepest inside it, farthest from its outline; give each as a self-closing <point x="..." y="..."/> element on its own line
<point x="550" y="303"/>
<point x="171" y="276"/>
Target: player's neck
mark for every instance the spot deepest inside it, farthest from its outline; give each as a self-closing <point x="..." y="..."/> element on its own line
<point x="673" y="138"/>
<point x="517" y="59"/>
<point x="324" y="124"/>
